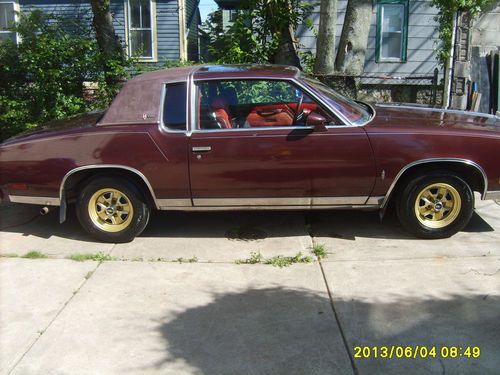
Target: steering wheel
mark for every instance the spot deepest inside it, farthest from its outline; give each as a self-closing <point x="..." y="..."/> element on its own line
<point x="298" y="112"/>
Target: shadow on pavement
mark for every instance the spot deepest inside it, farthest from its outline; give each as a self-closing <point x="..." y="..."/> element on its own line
<point x="244" y="225"/>
<point x="258" y="331"/>
<point x="351" y="224"/>
<point x="283" y="331"/>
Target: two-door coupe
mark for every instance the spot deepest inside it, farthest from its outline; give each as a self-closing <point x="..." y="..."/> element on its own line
<point x="253" y="137"/>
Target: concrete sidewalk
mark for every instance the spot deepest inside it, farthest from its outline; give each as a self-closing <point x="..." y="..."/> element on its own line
<point x="377" y="287"/>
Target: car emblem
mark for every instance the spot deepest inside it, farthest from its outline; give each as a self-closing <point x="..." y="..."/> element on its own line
<point x="146" y="116"/>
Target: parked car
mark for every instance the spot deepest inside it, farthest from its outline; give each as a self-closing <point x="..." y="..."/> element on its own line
<point x="253" y="137"/>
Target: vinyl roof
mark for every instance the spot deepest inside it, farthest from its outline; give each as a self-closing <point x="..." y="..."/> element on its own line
<point x="219" y="71"/>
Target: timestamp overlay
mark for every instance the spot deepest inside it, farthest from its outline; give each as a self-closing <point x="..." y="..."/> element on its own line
<point x="415" y="352"/>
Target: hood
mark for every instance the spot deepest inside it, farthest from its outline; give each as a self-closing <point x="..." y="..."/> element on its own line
<point x="80" y="121"/>
<point x="424" y="118"/>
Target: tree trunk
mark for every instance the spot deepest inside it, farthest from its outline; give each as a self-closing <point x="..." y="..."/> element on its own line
<point x="286" y="53"/>
<point x="325" y="43"/>
<point x="287" y="50"/>
<point x="354" y="38"/>
<point x="107" y="40"/>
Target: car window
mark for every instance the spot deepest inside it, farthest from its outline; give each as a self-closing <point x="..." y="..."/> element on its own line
<point x="232" y="104"/>
<point x="353" y="111"/>
<point x="174" y="107"/>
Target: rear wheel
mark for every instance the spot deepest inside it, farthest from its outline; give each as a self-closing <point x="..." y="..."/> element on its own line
<point x="435" y="206"/>
<point x="112" y="210"/>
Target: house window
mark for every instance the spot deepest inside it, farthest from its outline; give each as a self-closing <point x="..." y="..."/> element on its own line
<point x="392" y="30"/>
<point x="140" y="28"/>
<point x="233" y="15"/>
<point x="7" y="18"/>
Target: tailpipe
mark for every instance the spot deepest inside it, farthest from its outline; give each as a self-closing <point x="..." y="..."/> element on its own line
<point x="44" y="211"/>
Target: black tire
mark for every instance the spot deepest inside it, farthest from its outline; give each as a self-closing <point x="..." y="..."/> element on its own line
<point x="131" y="211"/>
<point x="440" y="217"/>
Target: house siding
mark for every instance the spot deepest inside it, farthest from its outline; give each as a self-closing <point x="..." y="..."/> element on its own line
<point x="167" y="24"/>
<point x="167" y="20"/>
<point x="422" y="40"/>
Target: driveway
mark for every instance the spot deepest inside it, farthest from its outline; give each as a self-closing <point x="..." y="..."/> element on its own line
<point x="175" y="301"/>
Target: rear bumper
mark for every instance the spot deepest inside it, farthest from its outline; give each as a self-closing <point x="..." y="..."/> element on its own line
<point x="492" y="195"/>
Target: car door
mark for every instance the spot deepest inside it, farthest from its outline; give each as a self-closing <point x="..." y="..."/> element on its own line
<point x="249" y="147"/>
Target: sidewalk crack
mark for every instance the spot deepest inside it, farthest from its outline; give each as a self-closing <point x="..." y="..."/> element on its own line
<point x="42" y="331"/>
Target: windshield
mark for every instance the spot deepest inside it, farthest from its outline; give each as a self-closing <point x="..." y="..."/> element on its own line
<point x="356" y="113"/>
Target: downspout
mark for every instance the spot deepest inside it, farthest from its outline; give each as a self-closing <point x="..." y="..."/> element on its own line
<point x="182" y="31"/>
<point x="449" y="70"/>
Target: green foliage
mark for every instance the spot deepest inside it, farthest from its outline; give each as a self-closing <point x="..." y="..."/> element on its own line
<point x="34" y="255"/>
<point x="43" y="77"/>
<point x="254" y="92"/>
<point x="319" y="250"/>
<point x="254" y="259"/>
<point x="97" y="257"/>
<point x="276" y="261"/>
<point x="284" y="261"/>
<point x="255" y="35"/>
<point x="447" y="10"/>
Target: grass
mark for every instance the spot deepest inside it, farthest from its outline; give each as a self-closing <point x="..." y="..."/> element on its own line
<point x="319" y="250"/>
<point x="283" y="261"/>
<point x="194" y="259"/>
<point x="254" y="259"/>
<point x="9" y="255"/>
<point x="276" y="261"/>
<point x="98" y="257"/>
<point x="89" y="275"/>
<point x="33" y="254"/>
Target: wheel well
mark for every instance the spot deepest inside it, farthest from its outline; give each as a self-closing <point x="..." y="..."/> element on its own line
<point x="467" y="172"/>
<point x="76" y="181"/>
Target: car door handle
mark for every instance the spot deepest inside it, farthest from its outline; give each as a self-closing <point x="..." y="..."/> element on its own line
<point x="201" y="149"/>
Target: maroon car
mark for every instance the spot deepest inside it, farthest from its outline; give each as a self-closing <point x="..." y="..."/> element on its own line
<point x="253" y="137"/>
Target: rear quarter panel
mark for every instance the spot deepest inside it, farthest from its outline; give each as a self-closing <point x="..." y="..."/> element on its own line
<point x="43" y="163"/>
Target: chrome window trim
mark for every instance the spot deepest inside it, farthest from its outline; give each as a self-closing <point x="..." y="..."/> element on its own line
<point x="104" y="166"/>
<point x="451" y="111"/>
<point x="42" y="201"/>
<point x="296" y="81"/>
<point x="435" y="160"/>
<point x="163" y="127"/>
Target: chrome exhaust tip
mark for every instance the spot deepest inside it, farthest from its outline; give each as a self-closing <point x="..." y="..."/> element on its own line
<point x="44" y="211"/>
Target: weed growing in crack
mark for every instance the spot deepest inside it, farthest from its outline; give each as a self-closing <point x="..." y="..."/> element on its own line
<point x="319" y="250"/>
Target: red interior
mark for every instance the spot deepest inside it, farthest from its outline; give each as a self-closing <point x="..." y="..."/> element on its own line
<point x="281" y="114"/>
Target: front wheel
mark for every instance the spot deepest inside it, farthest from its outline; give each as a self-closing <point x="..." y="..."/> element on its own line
<point x="437" y="205"/>
<point x="112" y="210"/>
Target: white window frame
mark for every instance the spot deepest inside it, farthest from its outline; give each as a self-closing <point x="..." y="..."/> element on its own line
<point x="16" y="16"/>
<point x="128" y="29"/>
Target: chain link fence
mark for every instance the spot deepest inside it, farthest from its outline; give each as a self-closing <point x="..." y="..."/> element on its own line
<point x="379" y="88"/>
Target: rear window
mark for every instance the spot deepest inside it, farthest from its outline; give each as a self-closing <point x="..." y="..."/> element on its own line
<point x="174" y="108"/>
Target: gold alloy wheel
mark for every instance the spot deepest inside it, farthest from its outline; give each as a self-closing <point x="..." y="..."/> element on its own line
<point x="438" y="205"/>
<point x="110" y="210"/>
